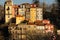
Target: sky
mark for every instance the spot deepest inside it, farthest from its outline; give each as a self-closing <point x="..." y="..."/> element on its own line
<point x="28" y="1"/>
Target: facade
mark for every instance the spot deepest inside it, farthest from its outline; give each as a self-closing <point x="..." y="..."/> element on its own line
<point x="35" y="25"/>
<point x="25" y="10"/>
<point x="46" y="21"/>
<point x="27" y="15"/>
<point x="39" y="14"/>
<point x="21" y="31"/>
<point x="49" y="28"/>
<point x="58" y="32"/>
<point x="15" y="11"/>
<point x="21" y="11"/>
<point x="8" y="10"/>
<point x="32" y="13"/>
<point x="19" y="19"/>
<point x="29" y="11"/>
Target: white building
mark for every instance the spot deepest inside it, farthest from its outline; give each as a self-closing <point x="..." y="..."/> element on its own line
<point x="24" y="10"/>
<point x="21" y="11"/>
<point x="39" y="14"/>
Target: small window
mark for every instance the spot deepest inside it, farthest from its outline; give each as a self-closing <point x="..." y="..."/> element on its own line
<point x="29" y="26"/>
<point x="8" y="16"/>
<point x="24" y="28"/>
<point x="20" y="28"/>
<point x="34" y="26"/>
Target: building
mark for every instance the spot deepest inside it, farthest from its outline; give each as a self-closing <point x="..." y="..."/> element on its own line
<point x="24" y="9"/>
<point x="8" y="10"/>
<point x="21" y="11"/>
<point x="29" y="21"/>
<point x="15" y="11"/>
<point x="19" y="19"/>
<point x="49" y="28"/>
<point x="46" y="21"/>
<point x="32" y="13"/>
<point x="29" y="11"/>
<point x="39" y="14"/>
<point x="27" y="15"/>
<point x="21" y="31"/>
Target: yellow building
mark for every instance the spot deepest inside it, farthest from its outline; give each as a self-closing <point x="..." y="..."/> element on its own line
<point x="19" y="19"/>
<point x="8" y="10"/>
<point x="32" y="13"/>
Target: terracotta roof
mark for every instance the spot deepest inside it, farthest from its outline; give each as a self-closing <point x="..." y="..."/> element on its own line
<point x="46" y="21"/>
<point x="50" y="25"/>
<point x="37" y="21"/>
<point x="40" y="25"/>
<point x="31" y="23"/>
<point x="15" y="6"/>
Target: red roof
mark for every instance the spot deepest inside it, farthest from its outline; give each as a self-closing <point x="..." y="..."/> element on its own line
<point x="31" y="23"/>
<point x="37" y="21"/>
<point x="15" y="6"/>
<point x="46" y="21"/>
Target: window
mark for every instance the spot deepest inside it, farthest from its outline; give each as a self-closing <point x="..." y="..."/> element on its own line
<point x="29" y="26"/>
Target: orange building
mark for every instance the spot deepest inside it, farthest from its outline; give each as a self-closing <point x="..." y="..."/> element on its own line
<point x="15" y="11"/>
